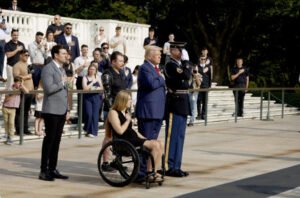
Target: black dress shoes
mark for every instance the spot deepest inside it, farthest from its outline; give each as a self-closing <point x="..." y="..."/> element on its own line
<point x="56" y="174"/>
<point x="184" y="173"/>
<point x="46" y="176"/>
<point x="176" y="173"/>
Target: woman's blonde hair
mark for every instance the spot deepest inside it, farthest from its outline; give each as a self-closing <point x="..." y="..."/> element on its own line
<point x="121" y="100"/>
<point x="120" y="104"/>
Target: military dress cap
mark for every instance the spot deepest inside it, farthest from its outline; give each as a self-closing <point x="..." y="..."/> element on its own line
<point x="179" y="45"/>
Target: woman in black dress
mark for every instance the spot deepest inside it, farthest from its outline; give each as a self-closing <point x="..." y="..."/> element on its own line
<point x="119" y="123"/>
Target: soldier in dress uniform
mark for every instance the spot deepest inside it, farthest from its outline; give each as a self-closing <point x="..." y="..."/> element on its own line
<point x="177" y="74"/>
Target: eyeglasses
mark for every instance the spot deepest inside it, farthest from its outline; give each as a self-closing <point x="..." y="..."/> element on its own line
<point x="202" y="59"/>
<point x="101" y="30"/>
<point x="69" y="28"/>
<point x="55" y="18"/>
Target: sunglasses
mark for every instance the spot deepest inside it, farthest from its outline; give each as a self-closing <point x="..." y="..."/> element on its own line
<point x="105" y="47"/>
<point x="26" y="54"/>
<point x="101" y="30"/>
<point x="68" y="28"/>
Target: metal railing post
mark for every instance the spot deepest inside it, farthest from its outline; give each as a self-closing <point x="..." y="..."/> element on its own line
<point x="80" y="115"/>
<point x="261" y="104"/>
<point x="206" y="105"/>
<point x="21" y="121"/>
<point x="282" y="103"/>
<point x="269" y="98"/>
<point x="236" y="105"/>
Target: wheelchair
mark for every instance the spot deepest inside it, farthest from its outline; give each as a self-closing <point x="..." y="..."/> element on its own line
<point x="125" y="161"/>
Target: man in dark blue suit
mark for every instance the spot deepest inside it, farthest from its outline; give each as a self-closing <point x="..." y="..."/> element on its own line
<point x="151" y="94"/>
<point x="150" y="104"/>
<point x="69" y="41"/>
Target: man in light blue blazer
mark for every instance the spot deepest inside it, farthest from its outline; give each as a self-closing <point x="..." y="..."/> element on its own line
<point x="55" y="107"/>
<point x="69" y="41"/>
<point x="150" y="104"/>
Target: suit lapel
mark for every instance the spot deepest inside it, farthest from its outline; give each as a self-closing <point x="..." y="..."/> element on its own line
<point x="56" y="69"/>
<point x="150" y="66"/>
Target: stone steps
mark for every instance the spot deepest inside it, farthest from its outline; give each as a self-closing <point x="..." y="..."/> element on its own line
<point x="220" y="109"/>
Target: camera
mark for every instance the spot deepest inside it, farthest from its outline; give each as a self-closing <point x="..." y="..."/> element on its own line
<point x="107" y="82"/>
<point x="30" y="69"/>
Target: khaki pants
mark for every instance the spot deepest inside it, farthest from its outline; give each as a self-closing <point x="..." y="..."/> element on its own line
<point x="9" y="115"/>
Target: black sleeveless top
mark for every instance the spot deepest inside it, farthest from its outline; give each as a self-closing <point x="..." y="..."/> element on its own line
<point x="69" y="69"/>
<point x="129" y="134"/>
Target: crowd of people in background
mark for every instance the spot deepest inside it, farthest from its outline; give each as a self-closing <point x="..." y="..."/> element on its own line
<point x="161" y="88"/>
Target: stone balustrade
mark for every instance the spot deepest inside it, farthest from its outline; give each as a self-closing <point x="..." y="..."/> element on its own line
<point x="29" y="23"/>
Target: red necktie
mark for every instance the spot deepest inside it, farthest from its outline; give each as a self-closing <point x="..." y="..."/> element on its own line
<point x="156" y="69"/>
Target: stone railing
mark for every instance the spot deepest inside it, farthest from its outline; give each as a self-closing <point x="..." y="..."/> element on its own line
<point x="29" y="23"/>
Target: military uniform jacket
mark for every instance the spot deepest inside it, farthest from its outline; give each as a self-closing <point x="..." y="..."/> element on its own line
<point x="177" y="76"/>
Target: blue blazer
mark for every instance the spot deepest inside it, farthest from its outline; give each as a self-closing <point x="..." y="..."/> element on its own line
<point x="75" y="52"/>
<point x="151" y="93"/>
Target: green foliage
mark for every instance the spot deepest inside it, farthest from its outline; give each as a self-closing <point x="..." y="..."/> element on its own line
<point x="264" y="32"/>
<point x="88" y="9"/>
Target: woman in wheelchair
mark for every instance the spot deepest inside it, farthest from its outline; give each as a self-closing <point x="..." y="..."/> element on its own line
<point x="119" y="123"/>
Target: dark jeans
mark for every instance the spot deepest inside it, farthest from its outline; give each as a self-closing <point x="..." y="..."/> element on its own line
<point x="27" y="104"/>
<point x="36" y="75"/>
<point x="201" y="104"/>
<point x="54" y="125"/>
<point x="2" y="54"/>
<point x="240" y="100"/>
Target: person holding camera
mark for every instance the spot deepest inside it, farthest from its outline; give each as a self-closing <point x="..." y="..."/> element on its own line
<point x="4" y="32"/>
<point x="113" y="80"/>
<point x="21" y="70"/>
<point x="205" y="70"/>
<point x="195" y="82"/>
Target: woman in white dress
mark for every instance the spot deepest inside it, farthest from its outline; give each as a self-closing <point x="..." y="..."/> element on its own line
<point x="100" y="38"/>
<point x="49" y="44"/>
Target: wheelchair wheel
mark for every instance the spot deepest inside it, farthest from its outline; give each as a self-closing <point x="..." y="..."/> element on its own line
<point x="123" y="161"/>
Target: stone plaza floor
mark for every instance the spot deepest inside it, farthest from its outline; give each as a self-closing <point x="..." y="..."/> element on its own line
<point x="250" y="158"/>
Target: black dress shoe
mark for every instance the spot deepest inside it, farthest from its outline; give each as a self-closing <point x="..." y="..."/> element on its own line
<point x="173" y="173"/>
<point x="45" y="176"/>
<point x="184" y="173"/>
<point x="56" y="174"/>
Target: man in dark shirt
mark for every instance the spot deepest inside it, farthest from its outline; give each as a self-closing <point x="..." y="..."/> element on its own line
<point x="240" y="78"/>
<point x="14" y="6"/>
<point x="56" y="27"/>
<point x="12" y="52"/>
<point x="113" y="80"/>
<point x="151" y="39"/>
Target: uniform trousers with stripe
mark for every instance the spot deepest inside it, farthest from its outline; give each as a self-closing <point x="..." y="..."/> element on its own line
<point x="174" y="140"/>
